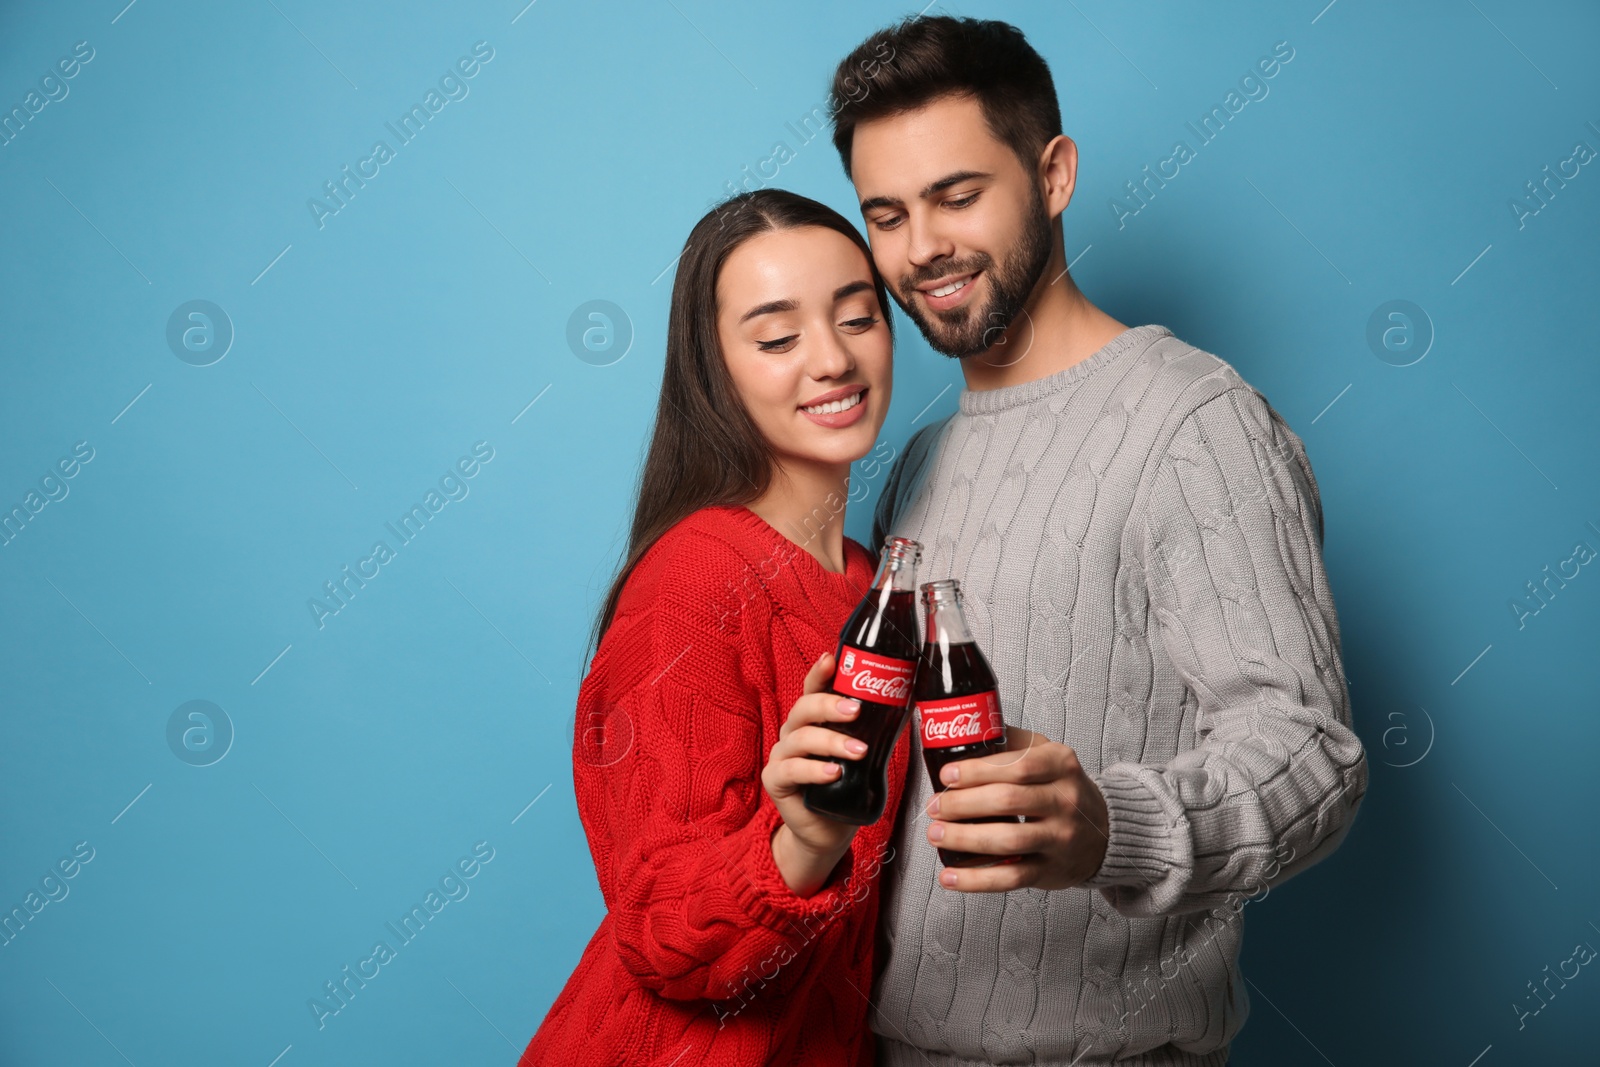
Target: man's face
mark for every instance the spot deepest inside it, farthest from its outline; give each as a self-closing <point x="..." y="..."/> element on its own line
<point x="946" y="204"/>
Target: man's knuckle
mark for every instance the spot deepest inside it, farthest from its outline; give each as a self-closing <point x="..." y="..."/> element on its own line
<point x="1012" y="838"/>
<point x="1004" y="878"/>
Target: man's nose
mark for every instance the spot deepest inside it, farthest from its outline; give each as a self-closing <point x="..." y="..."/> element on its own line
<point x="925" y="244"/>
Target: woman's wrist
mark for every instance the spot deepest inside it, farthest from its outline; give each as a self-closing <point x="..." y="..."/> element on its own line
<point x="805" y="870"/>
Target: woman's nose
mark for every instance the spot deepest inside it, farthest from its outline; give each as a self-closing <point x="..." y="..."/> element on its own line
<point x="830" y="358"/>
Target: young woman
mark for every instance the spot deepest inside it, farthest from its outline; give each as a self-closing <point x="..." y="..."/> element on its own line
<point x="739" y="926"/>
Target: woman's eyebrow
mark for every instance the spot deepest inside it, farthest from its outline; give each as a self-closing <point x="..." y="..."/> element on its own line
<point x="768" y="308"/>
<point x="772" y="306"/>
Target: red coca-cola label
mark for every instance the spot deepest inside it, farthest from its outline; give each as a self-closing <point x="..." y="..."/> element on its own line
<point x="967" y="720"/>
<point x="869" y="676"/>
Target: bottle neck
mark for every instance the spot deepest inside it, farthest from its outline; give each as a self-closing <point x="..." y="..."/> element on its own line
<point x="889" y="602"/>
<point x="946" y="623"/>
<point x="897" y="573"/>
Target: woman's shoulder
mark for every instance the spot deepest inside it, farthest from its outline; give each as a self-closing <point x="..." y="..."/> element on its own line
<point x="697" y="558"/>
<point x="681" y="602"/>
<point x="716" y="538"/>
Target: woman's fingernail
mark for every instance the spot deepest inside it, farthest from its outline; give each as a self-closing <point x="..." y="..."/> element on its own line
<point x="855" y="746"/>
<point x="936" y="832"/>
<point x="849" y="705"/>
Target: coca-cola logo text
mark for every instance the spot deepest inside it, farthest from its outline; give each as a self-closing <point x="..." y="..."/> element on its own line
<point x="965" y="720"/>
<point x="972" y="724"/>
<point x="870" y="676"/>
<point x="893" y="688"/>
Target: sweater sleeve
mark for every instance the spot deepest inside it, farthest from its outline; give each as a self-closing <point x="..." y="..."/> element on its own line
<point x="698" y="907"/>
<point x="1239" y="600"/>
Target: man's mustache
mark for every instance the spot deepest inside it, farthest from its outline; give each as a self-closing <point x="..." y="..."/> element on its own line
<point x="910" y="284"/>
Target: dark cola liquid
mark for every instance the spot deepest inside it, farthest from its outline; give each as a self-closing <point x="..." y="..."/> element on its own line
<point x="968" y="673"/>
<point x="861" y="791"/>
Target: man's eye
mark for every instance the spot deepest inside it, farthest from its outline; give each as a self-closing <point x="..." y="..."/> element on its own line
<point x="771" y="346"/>
<point x="963" y="201"/>
<point x="888" y="223"/>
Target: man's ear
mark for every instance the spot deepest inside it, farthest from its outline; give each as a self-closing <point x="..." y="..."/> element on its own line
<point x="1058" y="173"/>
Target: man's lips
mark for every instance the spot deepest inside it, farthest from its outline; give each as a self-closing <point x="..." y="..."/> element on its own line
<point x="940" y="303"/>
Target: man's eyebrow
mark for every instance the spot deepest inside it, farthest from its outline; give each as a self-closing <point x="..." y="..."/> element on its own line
<point x="927" y="190"/>
<point x="771" y="306"/>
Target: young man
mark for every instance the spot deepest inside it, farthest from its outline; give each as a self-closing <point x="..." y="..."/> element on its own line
<point x="1138" y="537"/>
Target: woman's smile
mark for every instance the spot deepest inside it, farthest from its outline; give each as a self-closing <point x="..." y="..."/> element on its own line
<point x="838" y="408"/>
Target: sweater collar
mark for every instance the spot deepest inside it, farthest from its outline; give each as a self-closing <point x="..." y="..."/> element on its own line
<point x="992" y="401"/>
<point x="804" y="576"/>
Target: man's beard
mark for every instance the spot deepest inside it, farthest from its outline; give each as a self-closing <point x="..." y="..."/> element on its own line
<point x="966" y="331"/>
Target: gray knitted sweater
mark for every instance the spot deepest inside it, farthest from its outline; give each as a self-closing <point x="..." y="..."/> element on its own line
<point x="1138" y="538"/>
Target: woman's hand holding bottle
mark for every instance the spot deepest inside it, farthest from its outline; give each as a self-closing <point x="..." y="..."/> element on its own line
<point x="808" y="846"/>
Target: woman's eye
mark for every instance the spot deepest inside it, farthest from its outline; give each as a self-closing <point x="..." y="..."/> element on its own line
<point x="868" y="321"/>
<point x="772" y="346"/>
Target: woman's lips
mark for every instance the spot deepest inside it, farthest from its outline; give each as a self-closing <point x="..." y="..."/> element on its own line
<point x="838" y="420"/>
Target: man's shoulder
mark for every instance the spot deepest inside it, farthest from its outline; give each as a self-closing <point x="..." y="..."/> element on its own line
<point x="924" y="439"/>
<point x="1182" y="377"/>
<point x="907" y="476"/>
<point x="1185" y="387"/>
<point x="1204" y="405"/>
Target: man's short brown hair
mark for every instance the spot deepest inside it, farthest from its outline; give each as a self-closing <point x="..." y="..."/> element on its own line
<point x="933" y="56"/>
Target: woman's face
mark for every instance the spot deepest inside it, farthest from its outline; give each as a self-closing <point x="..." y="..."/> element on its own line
<point x="806" y="343"/>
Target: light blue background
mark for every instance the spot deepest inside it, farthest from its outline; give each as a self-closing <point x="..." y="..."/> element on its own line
<point x="371" y="353"/>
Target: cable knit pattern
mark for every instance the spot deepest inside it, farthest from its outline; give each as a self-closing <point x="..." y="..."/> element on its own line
<point x="1139" y="541"/>
<point x="705" y="955"/>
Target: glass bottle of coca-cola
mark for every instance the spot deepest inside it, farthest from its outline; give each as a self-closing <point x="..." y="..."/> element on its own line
<point x="875" y="663"/>
<point x="958" y="707"/>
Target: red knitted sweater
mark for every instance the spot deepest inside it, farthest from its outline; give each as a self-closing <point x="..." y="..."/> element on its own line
<point x="705" y="956"/>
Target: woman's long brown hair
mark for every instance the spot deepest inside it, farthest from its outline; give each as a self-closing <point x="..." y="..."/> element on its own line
<point x="705" y="449"/>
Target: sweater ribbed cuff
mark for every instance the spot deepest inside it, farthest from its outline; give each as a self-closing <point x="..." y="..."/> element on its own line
<point x="1140" y="848"/>
<point x="760" y="888"/>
